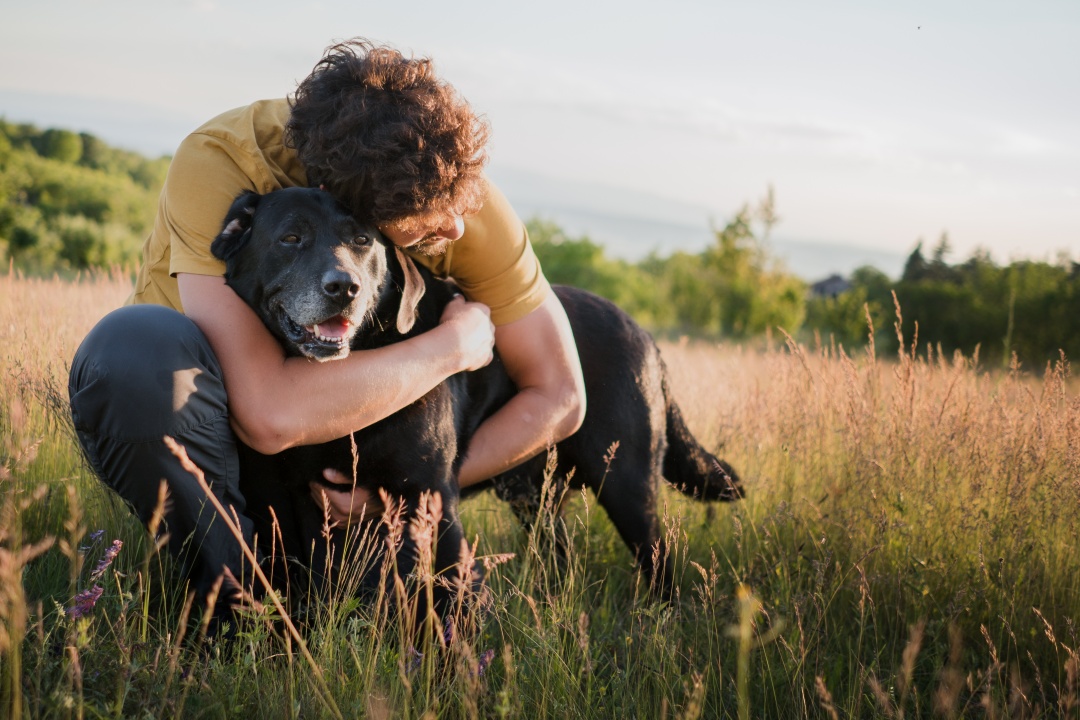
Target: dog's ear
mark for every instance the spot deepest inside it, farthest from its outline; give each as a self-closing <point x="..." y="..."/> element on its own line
<point x="410" y="294"/>
<point x="236" y="229"/>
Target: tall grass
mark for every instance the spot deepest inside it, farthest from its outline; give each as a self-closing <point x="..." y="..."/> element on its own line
<point x="907" y="549"/>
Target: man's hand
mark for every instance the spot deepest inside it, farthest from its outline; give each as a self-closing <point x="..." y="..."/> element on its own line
<point x="474" y="331"/>
<point x="346" y="506"/>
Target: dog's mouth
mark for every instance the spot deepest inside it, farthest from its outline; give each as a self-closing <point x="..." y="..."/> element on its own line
<point x="325" y="340"/>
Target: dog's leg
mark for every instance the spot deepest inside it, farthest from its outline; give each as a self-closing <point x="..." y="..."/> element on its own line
<point x="631" y="505"/>
<point x="434" y="562"/>
<point x="538" y="507"/>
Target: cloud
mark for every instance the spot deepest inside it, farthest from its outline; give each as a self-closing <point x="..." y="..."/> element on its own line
<point x="1018" y="143"/>
<point x="202" y="6"/>
<point x="706" y="120"/>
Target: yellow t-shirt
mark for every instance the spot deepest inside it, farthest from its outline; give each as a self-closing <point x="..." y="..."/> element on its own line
<point x="242" y="149"/>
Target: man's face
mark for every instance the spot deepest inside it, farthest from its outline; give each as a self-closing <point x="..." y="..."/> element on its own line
<point x="427" y="234"/>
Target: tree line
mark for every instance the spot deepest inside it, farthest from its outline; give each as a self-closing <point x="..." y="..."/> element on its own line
<point x="69" y="202"/>
<point x="1027" y="310"/>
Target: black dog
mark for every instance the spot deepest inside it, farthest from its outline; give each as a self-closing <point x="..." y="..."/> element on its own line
<point x="324" y="284"/>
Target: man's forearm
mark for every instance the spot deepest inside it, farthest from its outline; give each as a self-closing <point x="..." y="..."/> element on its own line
<point x="312" y="403"/>
<point x="277" y="402"/>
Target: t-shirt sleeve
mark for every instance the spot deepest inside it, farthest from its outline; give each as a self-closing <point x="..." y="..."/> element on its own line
<point x="202" y="183"/>
<point x="494" y="262"/>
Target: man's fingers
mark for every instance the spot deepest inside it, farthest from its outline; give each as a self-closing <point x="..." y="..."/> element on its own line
<point x="337" y="503"/>
<point x="336" y="477"/>
<point x="349" y="504"/>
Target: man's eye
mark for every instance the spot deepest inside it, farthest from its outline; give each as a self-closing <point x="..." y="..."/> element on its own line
<point x="291" y="239"/>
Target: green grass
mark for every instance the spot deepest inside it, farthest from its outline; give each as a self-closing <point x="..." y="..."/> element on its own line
<point x="908" y="549"/>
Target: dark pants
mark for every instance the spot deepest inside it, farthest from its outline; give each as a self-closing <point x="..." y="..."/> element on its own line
<point x="147" y="371"/>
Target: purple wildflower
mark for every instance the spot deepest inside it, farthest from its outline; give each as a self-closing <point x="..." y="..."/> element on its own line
<point x="415" y="658"/>
<point x="485" y="659"/>
<point x="106" y="560"/>
<point x="83" y="603"/>
<point x="93" y="538"/>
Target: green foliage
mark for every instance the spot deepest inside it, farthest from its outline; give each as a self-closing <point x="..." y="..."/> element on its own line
<point x="734" y="288"/>
<point x="580" y="262"/>
<point x="687" y="285"/>
<point x="71" y="202"/>
<point x="843" y="319"/>
<point x="1027" y="309"/>
<point x="754" y="292"/>
<point x="62" y="145"/>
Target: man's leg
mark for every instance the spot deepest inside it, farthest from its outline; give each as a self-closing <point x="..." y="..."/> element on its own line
<point x="142" y="373"/>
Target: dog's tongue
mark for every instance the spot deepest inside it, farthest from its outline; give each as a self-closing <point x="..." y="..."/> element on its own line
<point x="335" y="327"/>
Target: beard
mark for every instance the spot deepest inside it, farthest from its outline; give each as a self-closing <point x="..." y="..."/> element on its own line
<point x="430" y="248"/>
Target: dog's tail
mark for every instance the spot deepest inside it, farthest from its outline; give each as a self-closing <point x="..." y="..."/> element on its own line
<point x="691" y="468"/>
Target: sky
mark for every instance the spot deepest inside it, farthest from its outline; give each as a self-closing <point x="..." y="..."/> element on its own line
<point x="876" y="123"/>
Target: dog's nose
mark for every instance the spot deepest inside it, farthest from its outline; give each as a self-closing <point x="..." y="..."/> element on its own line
<point x="340" y="285"/>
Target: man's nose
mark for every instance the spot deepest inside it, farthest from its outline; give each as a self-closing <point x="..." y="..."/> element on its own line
<point x="452" y="228"/>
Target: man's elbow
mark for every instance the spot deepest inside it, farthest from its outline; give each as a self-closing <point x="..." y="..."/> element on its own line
<point x="266" y="433"/>
<point x="572" y="411"/>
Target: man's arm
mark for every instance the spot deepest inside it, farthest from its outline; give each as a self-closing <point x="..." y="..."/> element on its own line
<point x="541" y="358"/>
<point x="277" y="402"/>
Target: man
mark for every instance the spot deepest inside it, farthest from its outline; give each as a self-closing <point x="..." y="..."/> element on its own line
<point x="396" y="145"/>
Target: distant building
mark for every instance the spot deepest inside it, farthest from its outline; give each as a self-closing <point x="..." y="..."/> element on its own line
<point x="830" y="287"/>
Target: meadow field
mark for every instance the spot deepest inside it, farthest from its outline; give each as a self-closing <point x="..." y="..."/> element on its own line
<point x="908" y="548"/>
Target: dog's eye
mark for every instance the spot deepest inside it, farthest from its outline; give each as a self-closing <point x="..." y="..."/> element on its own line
<point x="362" y="240"/>
<point x="291" y="239"/>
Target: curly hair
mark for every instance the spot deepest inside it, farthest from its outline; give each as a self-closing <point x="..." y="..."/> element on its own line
<point x="385" y="136"/>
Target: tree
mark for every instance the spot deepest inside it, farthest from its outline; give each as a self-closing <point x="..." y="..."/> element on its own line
<point x="753" y="291"/>
<point x="915" y="266"/>
<point x="62" y="145"/>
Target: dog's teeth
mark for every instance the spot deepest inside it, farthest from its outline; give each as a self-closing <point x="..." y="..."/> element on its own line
<point x="325" y="338"/>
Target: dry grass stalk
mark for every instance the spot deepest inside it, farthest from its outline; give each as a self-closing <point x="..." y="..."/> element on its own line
<point x="825" y="698"/>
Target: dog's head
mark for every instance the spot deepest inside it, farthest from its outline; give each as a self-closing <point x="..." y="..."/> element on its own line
<point x="313" y="273"/>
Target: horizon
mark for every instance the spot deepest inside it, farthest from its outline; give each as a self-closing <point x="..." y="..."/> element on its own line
<point x="877" y="127"/>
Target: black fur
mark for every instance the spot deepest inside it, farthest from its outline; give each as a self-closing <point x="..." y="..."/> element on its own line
<point x="420" y="448"/>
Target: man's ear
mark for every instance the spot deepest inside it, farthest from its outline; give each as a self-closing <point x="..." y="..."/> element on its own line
<point x="410" y="294"/>
<point x="237" y="226"/>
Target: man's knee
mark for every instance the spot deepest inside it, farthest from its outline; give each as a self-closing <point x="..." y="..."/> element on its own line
<point x="144" y="371"/>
